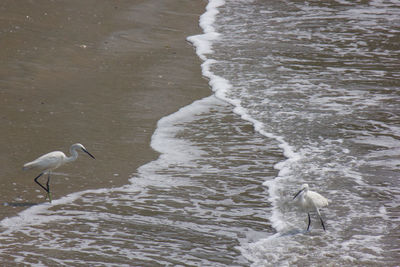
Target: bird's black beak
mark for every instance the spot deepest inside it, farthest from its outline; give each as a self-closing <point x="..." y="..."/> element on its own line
<point x="298" y="193"/>
<point x="87" y="152"/>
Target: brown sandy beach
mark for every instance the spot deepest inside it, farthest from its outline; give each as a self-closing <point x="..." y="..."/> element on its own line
<point x="101" y="73"/>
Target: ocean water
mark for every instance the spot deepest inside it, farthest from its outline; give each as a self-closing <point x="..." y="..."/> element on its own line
<point x="302" y="92"/>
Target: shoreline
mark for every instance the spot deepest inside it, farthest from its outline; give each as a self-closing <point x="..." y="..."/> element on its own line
<point x="98" y="73"/>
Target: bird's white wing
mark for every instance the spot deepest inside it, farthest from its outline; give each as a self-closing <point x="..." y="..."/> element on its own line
<point x="48" y="161"/>
<point x="318" y="200"/>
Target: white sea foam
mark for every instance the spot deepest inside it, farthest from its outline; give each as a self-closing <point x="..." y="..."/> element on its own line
<point x="203" y="42"/>
<point x="39" y="214"/>
<point x="360" y="215"/>
<point x="170" y="148"/>
<point x="305" y="103"/>
<point x="162" y="140"/>
<point x="221" y="87"/>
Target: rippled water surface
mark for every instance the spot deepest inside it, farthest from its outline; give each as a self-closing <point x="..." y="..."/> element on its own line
<point x="313" y="93"/>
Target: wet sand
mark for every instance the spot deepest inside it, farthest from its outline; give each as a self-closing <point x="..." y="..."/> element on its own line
<point x="101" y="73"/>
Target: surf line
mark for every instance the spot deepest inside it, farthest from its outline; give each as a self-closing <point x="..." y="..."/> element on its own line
<point x="221" y="86"/>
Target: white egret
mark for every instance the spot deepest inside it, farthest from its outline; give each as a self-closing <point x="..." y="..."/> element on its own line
<point x="50" y="161"/>
<point x="310" y="201"/>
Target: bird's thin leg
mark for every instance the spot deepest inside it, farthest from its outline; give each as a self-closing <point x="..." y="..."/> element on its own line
<point x="322" y="222"/>
<point x="42" y="186"/>
<point x="36" y="180"/>
<point x="48" y="187"/>
<point x="309" y="221"/>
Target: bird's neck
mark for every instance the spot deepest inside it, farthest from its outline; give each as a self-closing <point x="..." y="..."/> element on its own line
<point x="73" y="157"/>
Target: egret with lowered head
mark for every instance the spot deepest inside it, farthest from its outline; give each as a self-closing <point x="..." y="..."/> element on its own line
<point x="310" y="201"/>
<point x="50" y="161"/>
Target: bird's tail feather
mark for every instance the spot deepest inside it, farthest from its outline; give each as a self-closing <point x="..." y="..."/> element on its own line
<point x="27" y="166"/>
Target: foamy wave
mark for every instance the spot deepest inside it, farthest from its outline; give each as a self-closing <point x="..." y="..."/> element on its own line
<point x="39" y="214"/>
<point x="203" y="42"/>
<point x="221" y="87"/>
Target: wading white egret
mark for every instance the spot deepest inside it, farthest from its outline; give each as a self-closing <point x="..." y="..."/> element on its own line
<point x="310" y="201"/>
<point x="50" y="161"/>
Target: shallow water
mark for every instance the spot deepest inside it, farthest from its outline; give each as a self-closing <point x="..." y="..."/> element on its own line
<point x="305" y="92"/>
<point x="321" y="78"/>
<point x="191" y="206"/>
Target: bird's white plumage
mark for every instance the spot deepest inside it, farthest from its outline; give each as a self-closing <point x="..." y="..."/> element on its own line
<point x="311" y="201"/>
<point x="50" y="161"/>
<point x="316" y="199"/>
<point x="55" y="159"/>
